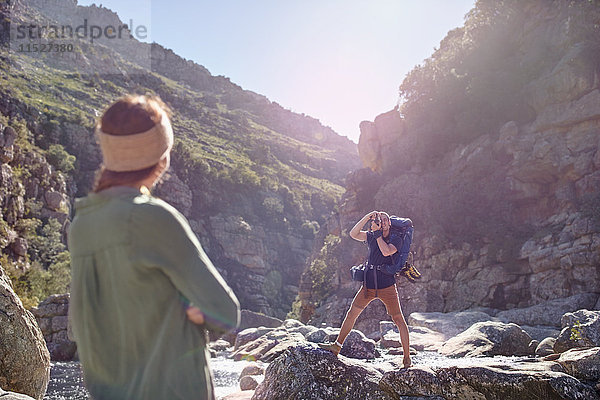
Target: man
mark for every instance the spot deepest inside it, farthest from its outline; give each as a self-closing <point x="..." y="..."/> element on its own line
<point x="382" y="245"/>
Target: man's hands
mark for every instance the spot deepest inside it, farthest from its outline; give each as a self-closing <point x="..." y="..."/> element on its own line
<point x="375" y="219"/>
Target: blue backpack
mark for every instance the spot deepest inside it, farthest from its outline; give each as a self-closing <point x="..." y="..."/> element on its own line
<point x="402" y="227"/>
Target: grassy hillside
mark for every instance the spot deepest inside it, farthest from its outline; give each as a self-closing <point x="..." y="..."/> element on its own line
<point x="239" y="153"/>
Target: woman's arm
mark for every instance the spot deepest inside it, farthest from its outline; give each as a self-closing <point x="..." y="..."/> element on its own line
<point x="356" y="233"/>
<point x="168" y="242"/>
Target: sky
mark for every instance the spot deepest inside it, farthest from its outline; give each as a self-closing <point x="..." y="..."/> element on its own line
<point x="340" y="61"/>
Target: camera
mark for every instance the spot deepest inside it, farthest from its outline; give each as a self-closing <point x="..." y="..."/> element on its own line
<point x="377" y="220"/>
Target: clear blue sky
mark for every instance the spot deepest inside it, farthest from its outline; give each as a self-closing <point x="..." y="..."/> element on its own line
<point x="340" y="61"/>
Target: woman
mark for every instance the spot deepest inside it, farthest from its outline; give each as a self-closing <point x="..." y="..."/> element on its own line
<point x="382" y="245"/>
<point x="136" y="269"/>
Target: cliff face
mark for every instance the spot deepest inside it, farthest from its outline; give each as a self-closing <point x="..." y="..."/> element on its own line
<point x="504" y="189"/>
<point x="252" y="177"/>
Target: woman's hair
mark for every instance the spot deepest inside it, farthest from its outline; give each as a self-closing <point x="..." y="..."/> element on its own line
<point x="129" y="115"/>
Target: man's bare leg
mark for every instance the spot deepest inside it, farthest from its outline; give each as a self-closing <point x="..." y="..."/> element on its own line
<point x="347" y="325"/>
<point x="404" y="338"/>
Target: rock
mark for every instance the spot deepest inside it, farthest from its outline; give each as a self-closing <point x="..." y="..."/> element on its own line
<point x="292" y="323"/>
<point x="533" y="346"/>
<point x="268" y="346"/>
<point x="13" y="396"/>
<point x="54" y="200"/>
<point x="23" y="354"/>
<point x="448" y="324"/>
<point x="390" y="339"/>
<point x="304" y="330"/>
<point x="250" y="334"/>
<point x="580" y="329"/>
<point x="583" y="364"/>
<point x="306" y="372"/>
<point x="321" y="335"/>
<point x="491" y="381"/>
<point x="248" y="382"/>
<point x="565" y="114"/>
<point x="52" y="317"/>
<point x="219" y="345"/>
<point x="488" y="339"/>
<point x="19" y="246"/>
<point x="546" y="347"/>
<point x="174" y="191"/>
<point x="597" y="306"/>
<point x="541" y="332"/>
<point x="376" y="136"/>
<point x="9" y="136"/>
<point x="357" y="345"/>
<point x="550" y="312"/>
<point x="253" y="368"/>
<point x="416" y="381"/>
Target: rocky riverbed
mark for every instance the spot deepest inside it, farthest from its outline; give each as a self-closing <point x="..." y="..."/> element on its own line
<point x="489" y="359"/>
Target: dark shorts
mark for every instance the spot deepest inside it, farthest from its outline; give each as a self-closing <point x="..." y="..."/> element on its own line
<point x="389" y="297"/>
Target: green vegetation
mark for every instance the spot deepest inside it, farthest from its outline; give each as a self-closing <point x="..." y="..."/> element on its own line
<point x="477" y="80"/>
<point x="576" y="334"/>
<point x="321" y="271"/>
<point x="35" y="283"/>
<point x="239" y="153"/>
<point x="57" y="156"/>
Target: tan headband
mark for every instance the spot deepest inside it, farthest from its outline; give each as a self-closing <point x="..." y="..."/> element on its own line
<point x="138" y="151"/>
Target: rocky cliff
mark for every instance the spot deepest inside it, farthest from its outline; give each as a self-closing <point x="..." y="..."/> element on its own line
<point x="244" y="169"/>
<point x="494" y="154"/>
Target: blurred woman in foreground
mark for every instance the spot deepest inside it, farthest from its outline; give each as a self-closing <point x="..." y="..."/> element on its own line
<point x="143" y="292"/>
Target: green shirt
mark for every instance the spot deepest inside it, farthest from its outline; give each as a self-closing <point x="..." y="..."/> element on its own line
<point x="135" y="263"/>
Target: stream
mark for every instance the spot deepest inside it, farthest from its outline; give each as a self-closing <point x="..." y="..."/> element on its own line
<point x="66" y="379"/>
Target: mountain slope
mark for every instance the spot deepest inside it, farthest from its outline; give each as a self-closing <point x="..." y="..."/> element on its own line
<point x="249" y="174"/>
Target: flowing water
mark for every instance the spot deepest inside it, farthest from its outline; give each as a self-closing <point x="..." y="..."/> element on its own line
<point x="66" y="379"/>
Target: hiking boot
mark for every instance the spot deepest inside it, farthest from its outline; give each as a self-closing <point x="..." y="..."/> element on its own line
<point x="334" y="347"/>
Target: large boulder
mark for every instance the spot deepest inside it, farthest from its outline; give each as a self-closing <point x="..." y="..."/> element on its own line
<point x="24" y="358"/>
<point x="306" y="372"/>
<point x="357" y="345"/>
<point x="548" y="313"/>
<point x="268" y="346"/>
<point x="491" y="381"/>
<point x="251" y="319"/>
<point x="267" y="343"/>
<point x="580" y="329"/>
<point x="249" y="335"/>
<point x="540" y="333"/>
<point x="583" y="364"/>
<point x="449" y="324"/>
<point x="488" y="339"/>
